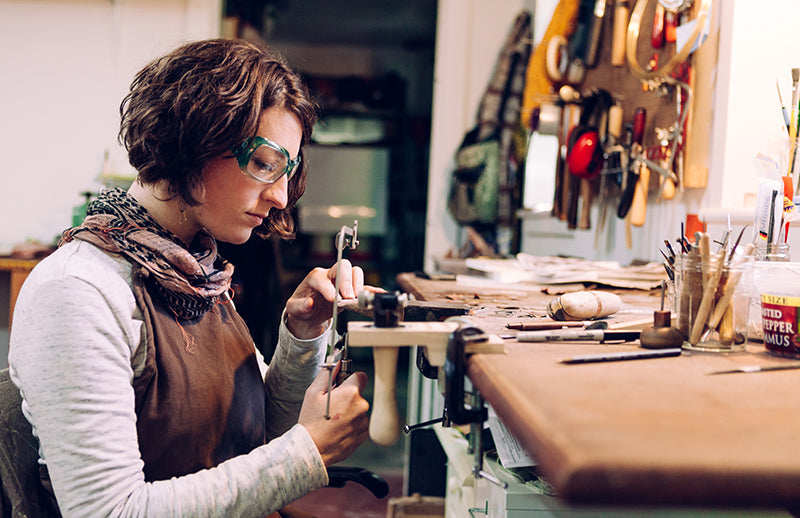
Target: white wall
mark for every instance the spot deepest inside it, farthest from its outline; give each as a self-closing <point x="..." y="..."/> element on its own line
<point x="66" y="65"/>
<point x="756" y="47"/>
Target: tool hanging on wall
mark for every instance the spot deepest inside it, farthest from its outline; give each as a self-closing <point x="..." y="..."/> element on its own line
<point x="585" y="147"/>
<point x="569" y="102"/>
<point x="670" y="76"/>
<point x="670" y="165"/>
<point x="621" y="13"/>
<point x="657" y="34"/>
<point x="570" y="197"/>
<point x="585" y="156"/>
<point x="661" y="148"/>
<point x="595" y="33"/>
<point x="630" y="177"/>
<point x="612" y="152"/>
<point x="558" y="208"/>
<point x="568" y="206"/>
<point x="671" y="22"/>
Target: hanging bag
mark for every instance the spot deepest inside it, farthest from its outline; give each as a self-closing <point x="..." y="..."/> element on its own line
<point x="480" y="184"/>
<point x="475" y="181"/>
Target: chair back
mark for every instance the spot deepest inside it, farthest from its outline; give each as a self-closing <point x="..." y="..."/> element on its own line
<point x="21" y="492"/>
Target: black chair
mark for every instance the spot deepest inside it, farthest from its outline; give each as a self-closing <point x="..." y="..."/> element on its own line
<point x="19" y="459"/>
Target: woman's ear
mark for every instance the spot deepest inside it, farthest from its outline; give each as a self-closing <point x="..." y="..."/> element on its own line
<point x="199" y="191"/>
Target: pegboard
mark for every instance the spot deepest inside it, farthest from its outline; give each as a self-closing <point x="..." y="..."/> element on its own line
<point x="573" y="196"/>
<point x="622" y="84"/>
<point x="662" y="110"/>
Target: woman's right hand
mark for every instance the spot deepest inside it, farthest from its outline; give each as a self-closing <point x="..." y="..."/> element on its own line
<point x="338" y="437"/>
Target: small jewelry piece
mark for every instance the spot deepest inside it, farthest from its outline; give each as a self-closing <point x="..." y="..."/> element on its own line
<point x="182" y="212"/>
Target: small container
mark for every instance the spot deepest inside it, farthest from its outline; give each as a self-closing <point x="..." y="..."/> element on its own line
<point x="712" y="307"/>
<point x="778" y="285"/>
<point x="764" y="251"/>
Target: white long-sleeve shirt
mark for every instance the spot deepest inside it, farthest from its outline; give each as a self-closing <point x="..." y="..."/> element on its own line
<point x="78" y="343"/>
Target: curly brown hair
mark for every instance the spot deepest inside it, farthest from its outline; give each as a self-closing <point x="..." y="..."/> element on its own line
<point x="200" y="100"/>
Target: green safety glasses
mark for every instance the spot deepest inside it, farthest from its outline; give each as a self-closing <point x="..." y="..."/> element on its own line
<point x="263" y="160"/>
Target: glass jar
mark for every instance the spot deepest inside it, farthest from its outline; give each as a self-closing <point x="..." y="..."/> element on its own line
<point x="764" y="251"/>
<point x="712" y="302"/>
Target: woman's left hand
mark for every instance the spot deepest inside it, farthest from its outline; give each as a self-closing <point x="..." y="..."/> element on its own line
<point x="311" y="305"/>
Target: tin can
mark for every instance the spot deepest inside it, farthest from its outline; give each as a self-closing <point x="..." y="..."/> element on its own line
<point x="779" y="286"/>
<point x="779" y="322"/>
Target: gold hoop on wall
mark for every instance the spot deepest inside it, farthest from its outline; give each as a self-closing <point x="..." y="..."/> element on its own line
<point x="632" y="43"/>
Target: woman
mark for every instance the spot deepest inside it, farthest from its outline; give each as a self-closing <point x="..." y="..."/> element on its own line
<point x="141" y="382"/>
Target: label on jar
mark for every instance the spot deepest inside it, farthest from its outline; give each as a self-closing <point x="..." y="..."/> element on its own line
<point x="779" y="318"/>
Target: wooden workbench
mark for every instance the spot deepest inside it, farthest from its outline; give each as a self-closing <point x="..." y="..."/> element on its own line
<point x="659" y="431"/>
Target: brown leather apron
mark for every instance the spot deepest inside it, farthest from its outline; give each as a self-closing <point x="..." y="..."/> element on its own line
<point x="200" y="399"/>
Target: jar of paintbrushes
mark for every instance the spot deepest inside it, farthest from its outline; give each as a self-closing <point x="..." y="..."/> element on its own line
<point x="713" y="289"/>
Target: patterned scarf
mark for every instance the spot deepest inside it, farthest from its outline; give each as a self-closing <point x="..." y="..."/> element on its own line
<point x="189" y="278"/>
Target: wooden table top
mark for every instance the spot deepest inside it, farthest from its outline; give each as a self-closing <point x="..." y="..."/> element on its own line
<point x="658" y="431"/>
<point x="14" y="264"/>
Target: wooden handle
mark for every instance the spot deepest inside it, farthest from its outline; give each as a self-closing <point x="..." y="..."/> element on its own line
<point x="657" y="35"/>
<point x="707" y="302"/>
<point x="585" y="221"/>
<point x="615" y="114"/>
<point x="384" y="424"/>
<point x="621" y="14"/>
<point x="639" y="203"/>
<point x="667" y="189"/>
<point x="730" y="288"/>
<point x="726" y="334"/>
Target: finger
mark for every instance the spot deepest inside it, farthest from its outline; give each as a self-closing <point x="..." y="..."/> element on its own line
<point x="345" y="273"/>
<point x="374" y="289"/>
<point x="358" y="279"/>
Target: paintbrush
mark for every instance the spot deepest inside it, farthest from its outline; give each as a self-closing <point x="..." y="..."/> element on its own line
<point x="793" y="129"/>
<point x="786" y="119"/>
<point x="758" y="368"/>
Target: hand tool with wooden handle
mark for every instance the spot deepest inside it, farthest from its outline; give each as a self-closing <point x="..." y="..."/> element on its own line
<point x="558" y="184"/>
<point x="639" y="202"/>
<point x="671" y="23"/>
<point x="657" y="34"/>
<point x="579" y="44"/>
<point x="621" y="14"/>
<point x="571" y="183"/>
<point x="612" y="153"/>
<point x="595" y="33"/>
<point x="631" y="179"/>
<point x="586" y="194"/>
<point x="707" y="302"/>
